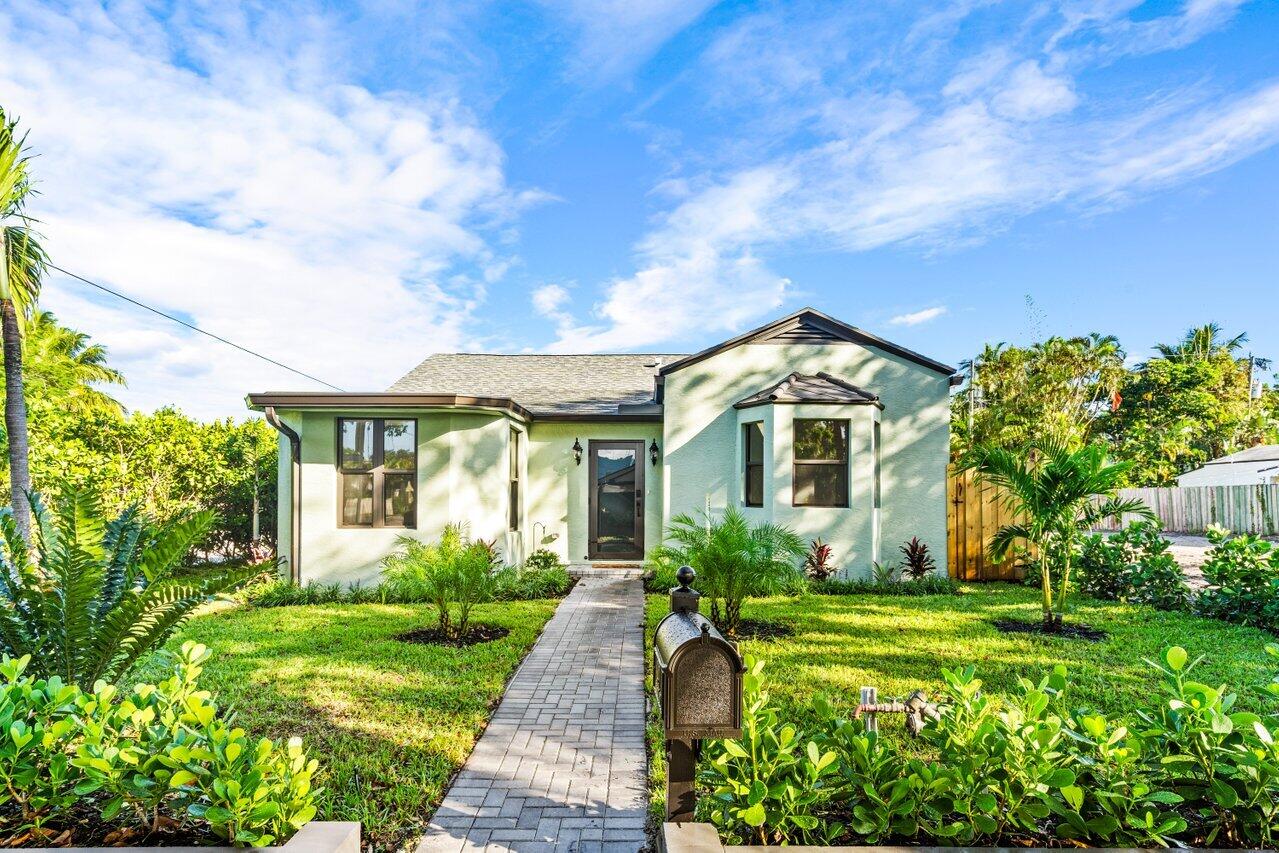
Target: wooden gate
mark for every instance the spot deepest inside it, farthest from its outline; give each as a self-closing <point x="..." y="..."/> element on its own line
<point x="973" y="513"/>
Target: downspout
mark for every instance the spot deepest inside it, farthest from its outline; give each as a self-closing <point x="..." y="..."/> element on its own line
<point x="295" y="492"/>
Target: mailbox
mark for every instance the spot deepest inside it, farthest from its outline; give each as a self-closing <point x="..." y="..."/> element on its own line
<point x="696" y="672"/>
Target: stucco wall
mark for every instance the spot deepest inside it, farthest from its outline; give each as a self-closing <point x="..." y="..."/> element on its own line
<point x="461" y="476"/>
<point x="557" y="505"/>
<point x="701" y="455"/>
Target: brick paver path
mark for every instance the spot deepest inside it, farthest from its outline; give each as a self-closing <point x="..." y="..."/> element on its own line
<point x="562" y="765"/>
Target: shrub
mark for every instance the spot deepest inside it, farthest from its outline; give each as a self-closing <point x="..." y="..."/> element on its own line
<point x="930" y="585"/>
<point x="92" y="596"/>
<point x="918" y="563"/>
<point x="541" y="560"/>
<point x="452" y="571"/>
<point x="153" y="757"/>
<point x="1132" y="565"/>
<point x="1243" y="580"/>
<point x="1191" y="771"/>
<point x="734" y="560"/>
<point x="512" y="584"/>
<point x="818" y="564"/>
<point x="885" y="574"/>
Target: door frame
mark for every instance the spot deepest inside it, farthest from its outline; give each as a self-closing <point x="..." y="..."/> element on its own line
<point x="592" y="502"/>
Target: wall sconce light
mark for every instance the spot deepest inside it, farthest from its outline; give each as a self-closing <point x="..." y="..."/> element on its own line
<point x="652" y="451"/>
<point x="577" y="451"/>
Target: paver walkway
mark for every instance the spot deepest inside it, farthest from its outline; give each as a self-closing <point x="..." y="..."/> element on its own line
<point x="562" y="765"/>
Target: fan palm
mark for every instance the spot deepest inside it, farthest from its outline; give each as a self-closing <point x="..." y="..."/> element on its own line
<point x="1057" y="493"/>
<point x="90" y="596"/>
<point x="734" y="559"/>
<point x="22" y="266"/>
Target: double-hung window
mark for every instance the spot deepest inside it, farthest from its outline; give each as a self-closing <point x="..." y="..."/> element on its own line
<point x="377" y="472"/>
<point x="753" y="463"/>
<point x="820" y="449"/>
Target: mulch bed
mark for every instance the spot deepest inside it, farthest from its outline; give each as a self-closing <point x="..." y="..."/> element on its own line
<point x="763" y="629"/>
<point x="475" y="635"/>
<point x="92" y="832"/>
<point x="1068" y="631"/>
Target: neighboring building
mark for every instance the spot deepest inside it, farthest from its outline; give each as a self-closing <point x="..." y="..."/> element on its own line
<point x="1255" y="466"/>
<point x="806" y="422"/>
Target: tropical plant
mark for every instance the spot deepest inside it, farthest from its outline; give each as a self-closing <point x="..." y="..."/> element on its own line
<point x="1058" y="493"/>
<point x="734" y="559"/>
<point x="542" y="559"/>
<point x="63" y="368"/>
<point x="819" y="561"/>
<point x="918" y="563"/>
<point x="932" y="584"/>
<point x="453" y="570"/>
<point x="1243" y="580"/>
<point x="22" y="266"/>
<point x="885" y="574"/>
<point x="91" y="596"/>
<point x="148" y="758"/>
<point x="1133" y="565"/>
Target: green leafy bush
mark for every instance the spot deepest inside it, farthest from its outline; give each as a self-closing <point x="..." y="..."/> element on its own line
<point x="1192" y="770"/>
<point x="932" y="584"/>
<point x="454" y="573"/>
<point x="1243" y="580"/>
<point x="1133" y="565"/>
<point x="151" y="758"/>
<point x="541" y="560"/>
<point x="92" y="595"/>
<point x="530" y="582"/>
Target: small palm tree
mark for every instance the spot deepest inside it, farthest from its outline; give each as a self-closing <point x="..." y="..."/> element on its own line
<point x="22" y="266"/>
<point x="734" y="559"/>
<point x="62" y="365"/>
<point x="91" y="596"/>
<point x="1058" y="493"/>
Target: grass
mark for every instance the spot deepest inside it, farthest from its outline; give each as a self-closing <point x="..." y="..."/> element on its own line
<point x="389" y="722"/>
<point x="899" y="643"/>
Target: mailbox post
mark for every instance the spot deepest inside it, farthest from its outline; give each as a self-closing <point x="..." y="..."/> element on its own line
<point x="697" y="675"/>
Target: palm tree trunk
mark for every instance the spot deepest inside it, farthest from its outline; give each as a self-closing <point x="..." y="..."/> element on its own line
<point x="15" y="419"/>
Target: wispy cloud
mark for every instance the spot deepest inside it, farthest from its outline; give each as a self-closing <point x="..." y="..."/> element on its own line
<point x="880" y="134"/>
<point x="222" y="168"/>
<point x="914" y="318"/>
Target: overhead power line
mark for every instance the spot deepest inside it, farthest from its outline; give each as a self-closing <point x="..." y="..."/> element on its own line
<point x="193" y="328"/>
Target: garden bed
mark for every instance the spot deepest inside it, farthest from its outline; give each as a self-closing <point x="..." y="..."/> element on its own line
<point x="389" y="722"/>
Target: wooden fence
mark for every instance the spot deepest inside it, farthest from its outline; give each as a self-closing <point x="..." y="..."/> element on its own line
<point x="1191" y="509"/>
<point x="973" y="513"/>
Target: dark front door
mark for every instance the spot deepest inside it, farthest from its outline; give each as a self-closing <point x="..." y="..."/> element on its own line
<point x="617" y="500"/>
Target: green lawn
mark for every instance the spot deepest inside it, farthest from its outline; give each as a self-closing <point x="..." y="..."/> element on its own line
<point x="900" y="643"/>
<point x="389" y="722"/>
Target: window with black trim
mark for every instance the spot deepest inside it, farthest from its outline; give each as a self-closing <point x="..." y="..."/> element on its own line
<point x="377" y="472"/>
<point x="513" y="522"/>
<point x="753" y="463"/>
<point x="820" y="448"/>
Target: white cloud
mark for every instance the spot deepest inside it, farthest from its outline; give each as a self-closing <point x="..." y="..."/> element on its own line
<point x="914" y="318"/>
<point x="616" y="36"/>
<point x="549" y="299"/>
<point x="230" y="175"/>
<point x="874" y="138"/>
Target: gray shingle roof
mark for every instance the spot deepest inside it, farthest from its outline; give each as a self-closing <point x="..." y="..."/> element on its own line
<point x="543" y="384"/>
<point x="800" y="388"/>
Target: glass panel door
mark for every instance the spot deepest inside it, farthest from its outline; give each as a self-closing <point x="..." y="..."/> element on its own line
<point x="617" y="500"/>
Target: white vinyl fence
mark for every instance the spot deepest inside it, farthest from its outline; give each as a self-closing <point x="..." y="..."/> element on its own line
<point x="1191" y="509"/>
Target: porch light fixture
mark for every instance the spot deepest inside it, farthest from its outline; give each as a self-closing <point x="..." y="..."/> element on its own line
<point x="652" y="451"/>
<point x="577" y="451"/>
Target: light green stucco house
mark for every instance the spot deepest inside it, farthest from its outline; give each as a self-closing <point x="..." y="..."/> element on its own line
<point x="806" y="421"/>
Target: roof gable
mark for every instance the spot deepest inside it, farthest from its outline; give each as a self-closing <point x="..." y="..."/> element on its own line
<point x="809" y="326"/>
<point x="799" y="388"/>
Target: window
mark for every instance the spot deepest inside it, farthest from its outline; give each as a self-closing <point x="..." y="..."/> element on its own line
<point x="377" y="472"/>
<point x="513" y="522"/>
<point x="821" y="463"/>
<point x="879" y="458"/>
<point x="753" y="463"/>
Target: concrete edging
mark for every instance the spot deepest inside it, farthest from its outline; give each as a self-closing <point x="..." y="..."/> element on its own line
<point x="319" y="836"/>
<point x="703" y="838"/>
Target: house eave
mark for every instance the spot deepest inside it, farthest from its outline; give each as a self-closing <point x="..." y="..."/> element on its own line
<point x="384" y="400"/>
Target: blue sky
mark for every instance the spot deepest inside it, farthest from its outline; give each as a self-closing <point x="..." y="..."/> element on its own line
<point x="351" y="187"/>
